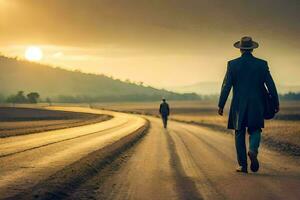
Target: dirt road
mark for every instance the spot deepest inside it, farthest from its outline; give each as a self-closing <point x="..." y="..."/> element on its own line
<point x="28" y="160"/>
<point x="190" y="162"/>
<point x="182" y="162"/>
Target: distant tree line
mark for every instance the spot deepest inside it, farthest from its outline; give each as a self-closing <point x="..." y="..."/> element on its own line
<point x="20" y="97"/>
<point x="34" y="97"/>
<point x="291" y="96"/>
<point x="120" y="98"/>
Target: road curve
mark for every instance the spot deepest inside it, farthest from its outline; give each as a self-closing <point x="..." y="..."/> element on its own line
<point x="29" y="159"/>
<point x="191" y="162"/>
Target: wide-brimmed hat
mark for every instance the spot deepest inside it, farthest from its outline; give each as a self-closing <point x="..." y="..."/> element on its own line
<point x="246" y="43"/>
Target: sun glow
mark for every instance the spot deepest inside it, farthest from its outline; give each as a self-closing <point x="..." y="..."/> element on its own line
<point x="33" y="53"/>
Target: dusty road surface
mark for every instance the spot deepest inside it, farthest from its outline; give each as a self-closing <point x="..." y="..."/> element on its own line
<point x="183" y="162"/>
<point x="191" y="162"/>
<point x="27" y="160"/>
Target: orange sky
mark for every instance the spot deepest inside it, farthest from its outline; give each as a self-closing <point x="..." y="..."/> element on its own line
<point x="161" y="42"/>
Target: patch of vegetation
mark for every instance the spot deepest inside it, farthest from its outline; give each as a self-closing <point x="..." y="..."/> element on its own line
<point x="20" y="97"/>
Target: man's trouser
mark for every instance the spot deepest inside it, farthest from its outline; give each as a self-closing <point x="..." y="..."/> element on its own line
<point x="165" y="120"/>
<point x="240" y="144"/>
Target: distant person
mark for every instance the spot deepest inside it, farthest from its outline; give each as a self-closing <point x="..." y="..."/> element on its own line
<point x="249" y="77"/>
<point x="164" y="111"/>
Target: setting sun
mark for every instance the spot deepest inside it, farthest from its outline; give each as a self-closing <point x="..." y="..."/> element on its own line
<point x="33" y="53"/>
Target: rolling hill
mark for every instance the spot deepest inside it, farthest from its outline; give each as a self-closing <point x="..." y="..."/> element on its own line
<point x="63" y="85"/>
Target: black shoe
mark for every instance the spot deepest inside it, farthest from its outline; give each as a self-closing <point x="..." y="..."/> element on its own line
<point x="242" y="169"/>
<point x="254" y="161"/>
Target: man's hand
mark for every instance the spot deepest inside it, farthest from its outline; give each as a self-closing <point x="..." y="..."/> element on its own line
<point x="220" y="111"/>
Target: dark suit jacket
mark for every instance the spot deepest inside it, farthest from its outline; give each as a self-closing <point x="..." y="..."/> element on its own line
<point x="248" y="76"/>
<point x="164" y="109"/>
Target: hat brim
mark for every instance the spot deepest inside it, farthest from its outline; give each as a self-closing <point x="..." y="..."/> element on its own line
<point x="239" y="46"/>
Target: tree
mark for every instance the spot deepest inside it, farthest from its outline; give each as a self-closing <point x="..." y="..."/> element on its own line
<point x="33" y="97"/>
<point x="18" y="98"/>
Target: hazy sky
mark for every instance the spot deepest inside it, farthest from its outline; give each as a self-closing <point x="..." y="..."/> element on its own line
<point x="160" y="42"/>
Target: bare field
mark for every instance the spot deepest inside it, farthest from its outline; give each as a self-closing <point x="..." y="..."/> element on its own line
<point x="19" y="121"/>
<point x="281" y="134"/>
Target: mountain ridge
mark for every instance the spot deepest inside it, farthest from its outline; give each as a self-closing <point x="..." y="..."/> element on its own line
<point x="56" y="82"/>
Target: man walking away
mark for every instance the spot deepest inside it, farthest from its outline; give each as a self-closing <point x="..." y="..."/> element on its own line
<point x="164" y="111"/>
<point x="249" y="77"/>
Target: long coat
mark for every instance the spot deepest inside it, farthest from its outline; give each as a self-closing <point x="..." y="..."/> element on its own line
<point x="164" y="109"/>
<point x="247" y="76"/>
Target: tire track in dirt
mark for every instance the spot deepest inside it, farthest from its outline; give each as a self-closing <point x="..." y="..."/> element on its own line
<point x="64" y="140"/>
<point x="64" y="182"/>
<point x="226" y="160"/>
<point x="143" y="172"/>
<point x="203" y="183"/>
<point x="186" y="186"/>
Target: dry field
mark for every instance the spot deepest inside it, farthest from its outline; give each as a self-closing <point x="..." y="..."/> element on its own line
<point x="281" y="134"/>
<point x="19" y="121"/>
